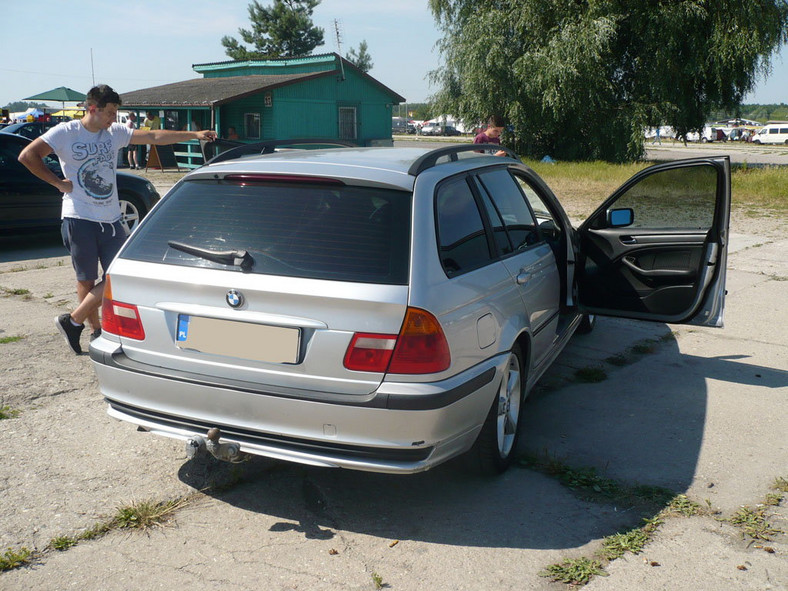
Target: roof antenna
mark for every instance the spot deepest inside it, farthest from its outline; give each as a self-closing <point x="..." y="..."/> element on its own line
<point x="338" y="31"/>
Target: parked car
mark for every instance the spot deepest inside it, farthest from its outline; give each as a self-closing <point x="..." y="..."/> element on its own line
<point x="386" y="309"/>
<point x="431" y="129"/>
<point x="449" y="130"/>
<point x="773" y="133"/>
<point x="28" y="202"/>
<point x="29" y="129"/>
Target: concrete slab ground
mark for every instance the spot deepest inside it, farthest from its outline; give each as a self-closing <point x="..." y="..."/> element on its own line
<point x="697" y="411"/>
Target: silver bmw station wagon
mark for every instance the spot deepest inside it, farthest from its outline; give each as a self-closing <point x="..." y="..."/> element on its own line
<point x="386" y="309"/>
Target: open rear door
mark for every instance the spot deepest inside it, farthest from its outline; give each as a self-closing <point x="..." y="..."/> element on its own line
<point x="657" y="248"/>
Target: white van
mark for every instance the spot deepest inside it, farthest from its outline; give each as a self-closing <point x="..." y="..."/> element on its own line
<point x="774" y="133"/>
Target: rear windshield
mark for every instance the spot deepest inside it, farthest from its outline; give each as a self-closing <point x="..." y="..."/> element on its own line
<point x="315" y="231"/>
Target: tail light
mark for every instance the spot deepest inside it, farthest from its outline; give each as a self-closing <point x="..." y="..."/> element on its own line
<point x="119" y="318"/>
<point x="419" y="348"/>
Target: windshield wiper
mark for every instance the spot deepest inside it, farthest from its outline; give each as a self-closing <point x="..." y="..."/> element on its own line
<point x="236" y="258"/>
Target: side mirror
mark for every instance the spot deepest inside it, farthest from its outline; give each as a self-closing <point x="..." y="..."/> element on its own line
<point x="618" y="218"/>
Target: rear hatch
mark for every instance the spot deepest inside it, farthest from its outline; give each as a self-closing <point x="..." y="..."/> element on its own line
<point x="264" y="280"/>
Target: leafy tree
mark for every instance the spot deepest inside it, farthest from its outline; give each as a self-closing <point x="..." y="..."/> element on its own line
<point x="283" y="30"/>
<point x="580" y="79"/>
<point x="19" y="106"/>
<point x="361" y="59"/>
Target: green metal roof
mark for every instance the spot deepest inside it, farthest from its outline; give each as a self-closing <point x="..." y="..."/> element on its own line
<point x="281" y="62"/>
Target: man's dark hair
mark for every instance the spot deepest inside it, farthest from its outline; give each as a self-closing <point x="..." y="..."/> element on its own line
<point x="496" y="121"/>
<point x="102" y="95"/>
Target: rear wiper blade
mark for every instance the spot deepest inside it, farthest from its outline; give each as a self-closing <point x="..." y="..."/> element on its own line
<point x="237" y="258"/>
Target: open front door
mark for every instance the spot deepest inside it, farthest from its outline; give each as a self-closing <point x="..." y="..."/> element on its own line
<point x="657" y="248"/>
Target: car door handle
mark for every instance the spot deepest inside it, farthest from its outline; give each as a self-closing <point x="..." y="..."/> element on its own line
<point x="628" y="240"/>
<point x="630" y="263"/>
<point x="523" y="276"/>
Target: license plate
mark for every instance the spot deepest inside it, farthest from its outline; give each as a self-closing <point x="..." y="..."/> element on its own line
<point x="243" y="340"/>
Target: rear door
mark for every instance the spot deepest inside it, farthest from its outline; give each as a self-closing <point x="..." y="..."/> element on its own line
<point x="657" y="248"/>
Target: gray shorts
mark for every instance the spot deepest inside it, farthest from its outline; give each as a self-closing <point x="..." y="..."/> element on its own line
<point x="90" y="243"/>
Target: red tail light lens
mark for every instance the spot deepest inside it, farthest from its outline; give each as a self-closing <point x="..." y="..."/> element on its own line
<point x="420" y="348"/>
<point x="119" y="318"/>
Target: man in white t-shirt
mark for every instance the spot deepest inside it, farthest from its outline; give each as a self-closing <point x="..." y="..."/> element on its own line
<point x="88" y="151"/>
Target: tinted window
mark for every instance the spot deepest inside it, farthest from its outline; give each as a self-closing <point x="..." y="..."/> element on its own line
<point x="507" y="207"/>
<point x="462" y="240"/>
<point x="314" y="231"/>
<point x="682" y="198"/>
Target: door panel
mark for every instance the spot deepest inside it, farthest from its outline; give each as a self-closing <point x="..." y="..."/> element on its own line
<point x="668" y="262"/>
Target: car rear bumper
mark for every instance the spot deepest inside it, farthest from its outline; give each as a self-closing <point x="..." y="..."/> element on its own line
<point x="403" y="428"/>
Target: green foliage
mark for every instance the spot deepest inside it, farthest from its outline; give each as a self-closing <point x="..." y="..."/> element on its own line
<point x="146" y="514"/>
<point x="283" y="30"/>
<point x="682" y="505"/>
<point x="12" y="339"/>
<point x="62" y="543"/>
<point x="755" y="523"/>
<point x="361" y="58"/>
<point x="577" y="571"/>
<point x="19" y="106"/>
<point x="6" y="412"/>
<point x="580" y="80"/>
<point x="591" y="375"/>
<point x="14" y="558"/>
<point x="617" y="545"/>
<point x="417" y="111"/>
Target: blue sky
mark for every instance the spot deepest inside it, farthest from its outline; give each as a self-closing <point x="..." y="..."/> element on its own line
<point x="139" y="44"/>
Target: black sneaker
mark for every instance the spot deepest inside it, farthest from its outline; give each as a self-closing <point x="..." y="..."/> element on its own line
<point x="95" y="334"/>
<point x="70" y="332"/>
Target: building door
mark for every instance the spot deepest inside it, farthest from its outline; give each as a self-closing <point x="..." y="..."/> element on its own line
<point x="347" y="123"/>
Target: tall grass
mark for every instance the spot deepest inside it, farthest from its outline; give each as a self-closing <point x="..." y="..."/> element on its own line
<point x="581" y="186"/>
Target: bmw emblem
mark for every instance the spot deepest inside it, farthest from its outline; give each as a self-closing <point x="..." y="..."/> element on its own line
<point x="234" y="298"/>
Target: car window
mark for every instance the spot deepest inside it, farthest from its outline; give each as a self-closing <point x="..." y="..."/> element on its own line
<point x="549" y="227"/>
<point x="337" y="232"/>
<point x="681" y="198"/>
<point x="462" y="240"/>
<point x="513" y="224"/>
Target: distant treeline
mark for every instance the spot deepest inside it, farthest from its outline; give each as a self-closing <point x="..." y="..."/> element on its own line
<point x="761" y="113"/>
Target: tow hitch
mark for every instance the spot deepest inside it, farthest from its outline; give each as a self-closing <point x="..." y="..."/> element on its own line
<point x="228" y="452"/>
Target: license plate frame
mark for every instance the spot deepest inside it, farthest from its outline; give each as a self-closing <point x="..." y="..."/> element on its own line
<point x="242" y="340"/>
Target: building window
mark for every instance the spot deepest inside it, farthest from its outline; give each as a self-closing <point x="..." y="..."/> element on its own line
<point x="347" y="123"/>
<point x="252" y="126"/>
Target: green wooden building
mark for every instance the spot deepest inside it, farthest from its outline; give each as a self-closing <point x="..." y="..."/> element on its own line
<point x="317" y="96"/>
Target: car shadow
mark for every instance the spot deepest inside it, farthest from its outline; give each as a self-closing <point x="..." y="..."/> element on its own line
<point x="643" y="425"/>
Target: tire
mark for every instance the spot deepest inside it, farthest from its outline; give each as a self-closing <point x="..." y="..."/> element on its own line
<point x="757" y="142"/>
<point x="587" y="324"/>
<point x="496" y="445"/>
<point x="703" y="140"/>
<point x="131" y="212"/>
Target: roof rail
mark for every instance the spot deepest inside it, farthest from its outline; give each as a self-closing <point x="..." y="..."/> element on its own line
<point x="430" y="159"/>
<point x="238" y="149"/>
